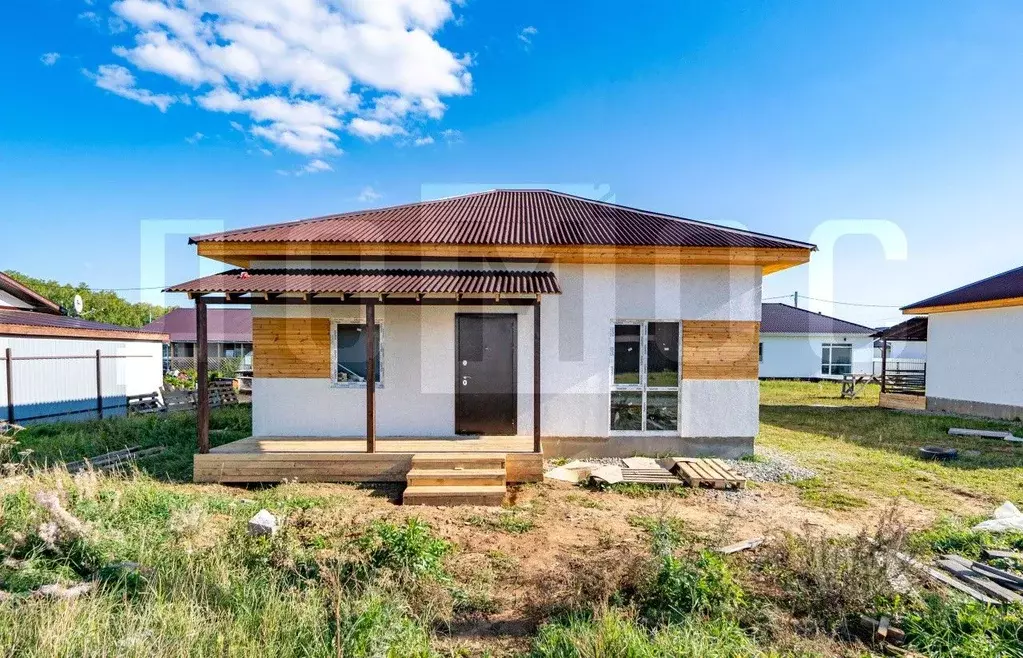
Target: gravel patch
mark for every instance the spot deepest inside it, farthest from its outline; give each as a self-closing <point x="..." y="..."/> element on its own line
<point x="771" y="467"/>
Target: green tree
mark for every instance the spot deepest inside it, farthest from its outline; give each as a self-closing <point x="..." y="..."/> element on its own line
<point x="100" y="305"/>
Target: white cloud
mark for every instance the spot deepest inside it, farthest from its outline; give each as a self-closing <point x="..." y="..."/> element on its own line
<point x="372" y="129"/>
<point x="119" y="80"/>
<point x="369" y="194"/>
<point x="526" y="34"/>
<point x="311" y="167"/>
<point x="451" y="136"/>
<point x="374" y="66"/>
<point x="49" y="59"/>
<point x="423" y="141"/>
<point x="195" y="138"/>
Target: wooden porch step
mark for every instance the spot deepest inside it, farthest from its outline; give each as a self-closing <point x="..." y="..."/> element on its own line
<point x="490" y="495"/>
<point x="458" y="460"/>
<point x="439" y="477"/>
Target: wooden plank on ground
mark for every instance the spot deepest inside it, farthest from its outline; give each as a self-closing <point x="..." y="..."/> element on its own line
<point x="740" y="546"/>
<point x="986" y="434"/>
<point x="996" y="554"/>
<point x="976" y="580"/>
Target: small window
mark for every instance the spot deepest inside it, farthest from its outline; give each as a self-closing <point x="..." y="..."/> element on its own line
<point x="761" y="352"/>
<point x="836" y="359"/>
<point x="350" y="354"/>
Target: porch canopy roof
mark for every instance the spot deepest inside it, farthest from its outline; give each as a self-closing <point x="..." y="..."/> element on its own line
<point x="331" y="285"/>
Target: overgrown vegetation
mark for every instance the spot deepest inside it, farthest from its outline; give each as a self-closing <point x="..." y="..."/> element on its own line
<point x="171" y="570"/>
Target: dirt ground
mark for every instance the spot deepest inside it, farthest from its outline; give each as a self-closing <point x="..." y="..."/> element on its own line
<point x="571" y="532"/>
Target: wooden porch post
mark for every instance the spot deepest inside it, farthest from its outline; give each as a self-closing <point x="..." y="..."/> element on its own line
<point x="884" y="362"/>
<point x="536" y="376"/>
<point x="371" y="377"/>
<point x="203" y="377"/>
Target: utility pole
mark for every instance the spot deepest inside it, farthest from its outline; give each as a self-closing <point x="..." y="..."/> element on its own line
<point x="795" y="296"/>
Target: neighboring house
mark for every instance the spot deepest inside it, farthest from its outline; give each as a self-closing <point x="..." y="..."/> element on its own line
<point x="54" y="365"/>
<point x="229" y="334"/>
<point x="647" y="343"/>
<point x="799" y="344"/>
<point x="974" y="350"/>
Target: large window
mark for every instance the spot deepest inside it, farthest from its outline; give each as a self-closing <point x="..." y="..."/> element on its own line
<point x="350" y="354"/>
<point x="644" y="377"/>
<point x="836" y="359"/>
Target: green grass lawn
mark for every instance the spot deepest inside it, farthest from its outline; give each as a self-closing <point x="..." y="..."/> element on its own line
<point x="860" y="450"/>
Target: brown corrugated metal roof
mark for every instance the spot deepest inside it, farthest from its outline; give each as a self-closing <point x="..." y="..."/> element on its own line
<point x="787" y="319"/>
<point x="390" y="281"/>
<point x="1007" y="285"/>
<point x="19" y="290"/>
<point x="913" y="329"/>
<point x="58" y="325"/>
<point x="508" y="217"/>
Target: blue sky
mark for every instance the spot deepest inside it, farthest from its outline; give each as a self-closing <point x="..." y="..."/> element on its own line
<point x="775" y="115"/>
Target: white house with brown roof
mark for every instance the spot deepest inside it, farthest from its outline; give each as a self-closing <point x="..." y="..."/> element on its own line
<point x="57" y="368"/>
<point x="796" y="343"/>
<point x="567" y="325"/>
<point x="974" y="349"/>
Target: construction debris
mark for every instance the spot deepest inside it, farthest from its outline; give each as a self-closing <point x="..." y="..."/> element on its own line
<point x="1006" y="518"/>
<point x="263" y="524"/>
<point x="608" y="474"/>
<point x="740" y="546"/>
<point x="111" y="460"/>
<point x="58" y="591"/>
<point x="641" y="463"/>
<point x="573" y="472"/>
<point x="994" y="554"/>
<point x="710" y="472"/>
<point x="985" y="434"/>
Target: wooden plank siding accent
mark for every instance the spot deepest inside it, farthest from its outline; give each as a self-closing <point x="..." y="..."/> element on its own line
<point x="903" y="402"/>
<point x="720" y="349"/>
<point x="291" y="347"/>
<point x="241" y="254"/>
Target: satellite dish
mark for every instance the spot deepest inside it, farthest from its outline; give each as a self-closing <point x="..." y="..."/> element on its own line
<point x="79" y="304"/>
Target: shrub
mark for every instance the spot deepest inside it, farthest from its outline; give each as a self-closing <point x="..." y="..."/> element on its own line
<point x="683" y="585"/>
<point x="410" y="550"/>
<point x="827" y="580"/>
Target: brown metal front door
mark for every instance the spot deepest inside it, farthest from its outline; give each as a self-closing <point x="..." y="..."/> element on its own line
<point x="485" y="380"/>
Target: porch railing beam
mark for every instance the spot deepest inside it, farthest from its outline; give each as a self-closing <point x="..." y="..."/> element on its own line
<point x="371" y="377"/>
<point x="536" y="377"/>
<point x="884" y="364"/>
<point x="202" y="362"/>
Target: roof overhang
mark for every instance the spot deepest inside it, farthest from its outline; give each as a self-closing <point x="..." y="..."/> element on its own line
<point x="967" y="306"/>
<point x="358" y="286"/>
<point x="244" y="254"/>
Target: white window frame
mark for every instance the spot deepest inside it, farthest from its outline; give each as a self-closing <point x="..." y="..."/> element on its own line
<point x="831" y="362"/>
<point x="641" y="387"/>
<point x="334" y="323"/>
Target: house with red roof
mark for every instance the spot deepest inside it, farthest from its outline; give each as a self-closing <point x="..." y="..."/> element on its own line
<point x="509" y="324"/>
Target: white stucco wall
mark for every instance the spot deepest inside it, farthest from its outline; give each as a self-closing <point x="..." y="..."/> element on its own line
<point x="417" y="396"/>
<point x="976" y="356"/>
<point x="57" y="388"/>
<point x="799" y="355"/>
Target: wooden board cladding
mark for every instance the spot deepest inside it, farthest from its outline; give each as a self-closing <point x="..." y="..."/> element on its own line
<point x="242" y="254"/>
<point x="720" y="349"/>
<point x="291" y="347"/>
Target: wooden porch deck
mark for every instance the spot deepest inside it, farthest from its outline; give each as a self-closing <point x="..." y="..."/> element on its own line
<point x="344" y="459"/>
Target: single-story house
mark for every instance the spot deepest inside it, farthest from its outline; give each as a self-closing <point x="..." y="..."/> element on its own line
<point x="523" y="322"/>
<point x="57" y="367"/>
<point x="796" y="343"/>
<point x="230" y="337"/>
<point x="974" y="350"/>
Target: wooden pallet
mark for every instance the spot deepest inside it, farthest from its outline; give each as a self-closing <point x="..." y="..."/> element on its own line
<point x="708" y="472"/>
<point x="651" y="476"/>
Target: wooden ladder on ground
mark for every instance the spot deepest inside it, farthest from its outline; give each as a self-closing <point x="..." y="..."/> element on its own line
<point x="456" y="479"/>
